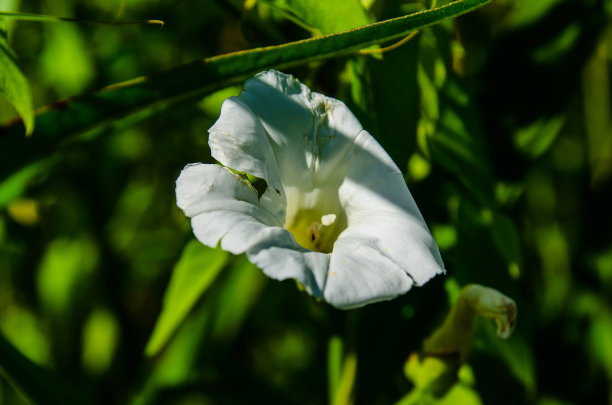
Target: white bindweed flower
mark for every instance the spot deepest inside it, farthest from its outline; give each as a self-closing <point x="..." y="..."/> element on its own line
<point x="336" y="214"/>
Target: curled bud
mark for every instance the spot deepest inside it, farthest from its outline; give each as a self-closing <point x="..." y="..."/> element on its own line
<point x="454" y="337"/>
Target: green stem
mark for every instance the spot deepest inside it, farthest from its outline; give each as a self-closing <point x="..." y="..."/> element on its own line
<point x="52" y="18"/>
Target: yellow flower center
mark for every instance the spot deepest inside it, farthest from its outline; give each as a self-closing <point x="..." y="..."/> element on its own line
<point x="315" y="231"/>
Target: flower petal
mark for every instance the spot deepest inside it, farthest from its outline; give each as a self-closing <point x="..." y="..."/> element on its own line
<point x="222" y="207"/>
<point x="225" y="209"/>
<point x="239" y="140"/>
<point x="279" y="130"/>
<point x="284" y="261"/>
<point x="387" y="246"/>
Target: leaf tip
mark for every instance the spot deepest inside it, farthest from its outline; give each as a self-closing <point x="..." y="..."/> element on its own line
<point x="28" y="122"/>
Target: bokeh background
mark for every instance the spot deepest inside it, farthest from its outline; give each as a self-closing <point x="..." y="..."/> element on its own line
<point x="501" y="120"/>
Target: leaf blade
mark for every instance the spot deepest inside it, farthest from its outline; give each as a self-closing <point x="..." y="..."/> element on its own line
<point x="195" y="271"/>
<point x="15" y="86"/>
<point x="322" y="14"/>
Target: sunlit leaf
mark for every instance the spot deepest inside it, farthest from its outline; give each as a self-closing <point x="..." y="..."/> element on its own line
<point x="334" y="365"/>
<point x="461" y="394"/>
<point x="445" y="236"/>
<point x="562" y="44"/>
<point x="193" y="274"/>
<point x="323" y="14"/>
<point x="24" y="211"/>
<point x="555" y="259"/>
<point x="24" y="330"/>
<point x="438" y="381"/>
<point x="418" y="167"/>
<point x="430" y="103"/>
<point x="526" y="12"/>
<point x="14" y="186"/>
<point x="344" y="392"/>
<point x="63" y="270"/>
<point x="100" y="339"/>
<point x="66" y="59"/>
<point x="431" y="374"/>
<point x="14" y="85"/>
<point x="538" y="137"/>
<point x="600" y="336"/>
<point x="602" y="263"/>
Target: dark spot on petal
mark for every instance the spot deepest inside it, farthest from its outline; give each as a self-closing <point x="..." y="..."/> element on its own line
<point x="277" y="191"/>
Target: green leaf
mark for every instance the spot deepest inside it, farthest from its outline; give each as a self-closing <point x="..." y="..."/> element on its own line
<point x="538" y="137"/>
<point x="14" y="186"/>
<point x="123" y="103"/>
<point x="210" y="328"/>
<point x="323" y="14"/>
<point x="195" y="271"/>
<point x="66" y="60"/>
<point x="62" y="273"/>
<point x="345" y="387"/>
<point x="334" y="365"/>
<point x="525" y="12"/>
<point x="461" y="394"/>
<point x="597" y="101"/>
<point x="14" y="85"/>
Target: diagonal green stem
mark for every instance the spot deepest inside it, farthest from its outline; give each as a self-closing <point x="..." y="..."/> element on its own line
<point x="51" y="18"/>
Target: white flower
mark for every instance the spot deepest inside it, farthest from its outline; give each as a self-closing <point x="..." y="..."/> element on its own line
<point x="336" y="215"/>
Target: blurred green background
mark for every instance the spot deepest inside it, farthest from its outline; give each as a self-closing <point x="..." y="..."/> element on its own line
<point x="501" y="120"/>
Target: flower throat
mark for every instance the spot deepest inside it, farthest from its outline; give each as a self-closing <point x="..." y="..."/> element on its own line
<point x="313" y="230"/>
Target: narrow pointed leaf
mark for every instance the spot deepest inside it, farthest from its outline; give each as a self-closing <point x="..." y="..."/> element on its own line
<point x="197" y="268"/>
<point x="14" y="85"/>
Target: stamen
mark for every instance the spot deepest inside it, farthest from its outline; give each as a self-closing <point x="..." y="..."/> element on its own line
<point x="313" y="231"/>
<point x="328" y="219"/>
